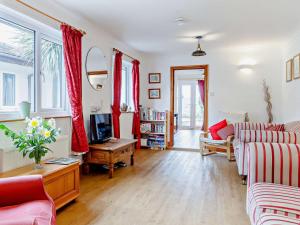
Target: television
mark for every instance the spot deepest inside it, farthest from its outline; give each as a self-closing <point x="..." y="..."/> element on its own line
<point x="100" y="128"/>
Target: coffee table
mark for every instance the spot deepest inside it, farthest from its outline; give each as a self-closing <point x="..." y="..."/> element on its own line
<point x="110" y="153"/>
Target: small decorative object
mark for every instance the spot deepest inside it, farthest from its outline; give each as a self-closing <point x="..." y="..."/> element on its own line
<point x="247" y="117"/>
<point x="154" y="78"/>
<point x="154" y="93"/>
<point x="24" y="108"/>
<point x="268" y="101"/>
<point x="32" y="141"/>
<point x="296" y="67"/>
<point x="289" y="69"/>
<point x="124" y="107"/>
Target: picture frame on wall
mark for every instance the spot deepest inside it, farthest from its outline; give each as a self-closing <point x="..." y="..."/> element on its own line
<point x="289" y="70"/>
<point x="296" y="66"/>
<point x="154" y="78"/>
<point x="154" y="93"/>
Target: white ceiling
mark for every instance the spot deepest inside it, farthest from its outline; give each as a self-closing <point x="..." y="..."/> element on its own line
<point x="149" y="25"/>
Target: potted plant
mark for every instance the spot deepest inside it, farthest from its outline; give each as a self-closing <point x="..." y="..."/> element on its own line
<point x="32" y="141"/>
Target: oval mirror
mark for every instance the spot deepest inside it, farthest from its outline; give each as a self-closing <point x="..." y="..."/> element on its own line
<point x="96" y="68"/>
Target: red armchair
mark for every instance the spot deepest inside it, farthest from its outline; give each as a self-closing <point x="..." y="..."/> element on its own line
<point x="24" y="201"/>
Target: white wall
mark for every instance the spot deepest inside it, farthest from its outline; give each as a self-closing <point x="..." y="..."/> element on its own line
<point x="95" y="37"/>
<point x="230" y="90"/>
<point x="290" y="90"/>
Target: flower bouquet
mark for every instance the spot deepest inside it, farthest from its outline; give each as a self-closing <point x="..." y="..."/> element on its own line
<point x="33" y="139"/>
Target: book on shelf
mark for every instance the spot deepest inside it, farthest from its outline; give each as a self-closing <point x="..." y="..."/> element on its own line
<point x="156" y="141"/>
<point x="151" y="114"/>
<point x="152" y="128"/>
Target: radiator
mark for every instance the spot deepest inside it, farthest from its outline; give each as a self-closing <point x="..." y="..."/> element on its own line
<point x="10" y="158"/>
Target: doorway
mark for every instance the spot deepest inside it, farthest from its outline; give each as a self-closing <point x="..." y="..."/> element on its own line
<point x="188" y="110"/>
<point x="189" y="107"/>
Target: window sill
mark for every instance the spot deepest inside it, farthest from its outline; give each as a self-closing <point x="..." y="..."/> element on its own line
<point x="15" y="117"/>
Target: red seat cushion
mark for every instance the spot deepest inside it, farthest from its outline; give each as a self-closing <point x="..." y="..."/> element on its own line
<point x="215" y="128"/>
<point x="35" y="212"/>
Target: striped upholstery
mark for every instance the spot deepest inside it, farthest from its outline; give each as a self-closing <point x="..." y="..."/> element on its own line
<point x="273" y="183"/>
<point x="274" y="163"/>
<point x="239" y="147"/>
<point x="248" y="126"/>
<point x="247" y="136"/>
<point x="269" y="136"/>
<point x="273" y="199"/>
<point x="272" y="219"/>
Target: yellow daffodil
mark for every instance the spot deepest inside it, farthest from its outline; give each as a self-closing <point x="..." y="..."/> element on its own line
<point x="47" y="134"/>
<point x="34" y="123"/>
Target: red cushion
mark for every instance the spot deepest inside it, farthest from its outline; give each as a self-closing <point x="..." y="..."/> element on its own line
<point x="277" y="127"/>
<point x="225" y="132"/>
<point x="35" y="212"/>
<point x="215" y="128"/>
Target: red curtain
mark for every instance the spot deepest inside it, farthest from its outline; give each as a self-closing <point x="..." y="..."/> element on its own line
<point x="117" y="94"/>
<point x="136" y="100"/>
<point x="73" y="64"/>
<point x="201" y="86"/>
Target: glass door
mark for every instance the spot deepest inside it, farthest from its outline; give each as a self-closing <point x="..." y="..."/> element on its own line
<point x="190" y="108"/>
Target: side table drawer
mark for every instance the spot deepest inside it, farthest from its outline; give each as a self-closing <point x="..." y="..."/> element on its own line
<point x="99" y="156"/>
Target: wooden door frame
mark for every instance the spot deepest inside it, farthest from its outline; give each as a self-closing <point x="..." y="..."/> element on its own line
<point x="172" y="97"/>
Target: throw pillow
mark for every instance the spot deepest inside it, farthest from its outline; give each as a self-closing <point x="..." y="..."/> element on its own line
<point x="277" y="127"/>
<point x="292" y="126"/>
<point x="215" y="128"/>
<point x="225" y="132"/>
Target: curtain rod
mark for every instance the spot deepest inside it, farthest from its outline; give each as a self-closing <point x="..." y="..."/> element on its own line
<point x="45" y="14"/>
<point x="117" y="50"/>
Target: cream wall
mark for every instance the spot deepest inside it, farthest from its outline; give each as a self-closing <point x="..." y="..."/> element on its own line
<point x="230" y="90"/>
<point x="290" y="90"/>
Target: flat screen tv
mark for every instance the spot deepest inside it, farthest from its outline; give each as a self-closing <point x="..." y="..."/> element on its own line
<point x="100" y="128"/>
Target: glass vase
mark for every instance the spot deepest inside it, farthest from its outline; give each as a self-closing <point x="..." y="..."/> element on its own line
<point x="38" y="165"/>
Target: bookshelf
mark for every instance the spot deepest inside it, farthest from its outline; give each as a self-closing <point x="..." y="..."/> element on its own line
<point x="154" y="128"/>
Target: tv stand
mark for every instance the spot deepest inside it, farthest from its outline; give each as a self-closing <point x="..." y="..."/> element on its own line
<point x="110" y="153"/>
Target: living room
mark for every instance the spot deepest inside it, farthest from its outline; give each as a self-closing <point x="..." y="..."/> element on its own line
<point x="66" y="65"/>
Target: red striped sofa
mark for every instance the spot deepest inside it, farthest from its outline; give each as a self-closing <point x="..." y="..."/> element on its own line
<point x="256" y="132"/>
<point x="273" y="195"/>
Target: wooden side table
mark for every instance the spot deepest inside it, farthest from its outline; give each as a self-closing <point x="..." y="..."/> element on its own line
<point x="61" y="182"/>
<point x="110" y="153"/>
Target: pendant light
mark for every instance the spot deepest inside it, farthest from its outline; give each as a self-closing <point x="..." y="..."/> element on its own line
<point x="199" y="51"/>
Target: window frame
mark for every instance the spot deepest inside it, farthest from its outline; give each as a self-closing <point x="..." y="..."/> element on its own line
<point x="40" y="30"/>
<point x="129" y="94"/>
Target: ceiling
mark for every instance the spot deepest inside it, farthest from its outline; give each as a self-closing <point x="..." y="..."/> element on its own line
<point x="149" y="25"/>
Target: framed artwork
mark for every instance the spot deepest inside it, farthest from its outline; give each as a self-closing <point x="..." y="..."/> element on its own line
<point x="296" y="67"/>
<point x="289" y="70"/>
<point x="154" y="78"/>
<point x="154" y="93"/>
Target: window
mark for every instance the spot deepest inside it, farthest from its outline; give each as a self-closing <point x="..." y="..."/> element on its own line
<point x="31" y="66"/>
<point x="126" y="89"/>
<point x="9" y="89"/>
<point x="51" y="74"/>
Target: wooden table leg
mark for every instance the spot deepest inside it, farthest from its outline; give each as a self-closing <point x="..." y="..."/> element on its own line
<point x="132" y="155"/>
<point x="132" y="159"/>
<point x="86" y="168"/>
<point x="111" y="170"/>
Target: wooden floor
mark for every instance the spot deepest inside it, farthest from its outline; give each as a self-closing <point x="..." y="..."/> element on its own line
<point x="163" y="188"/>
<point x="187" y="139"/>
